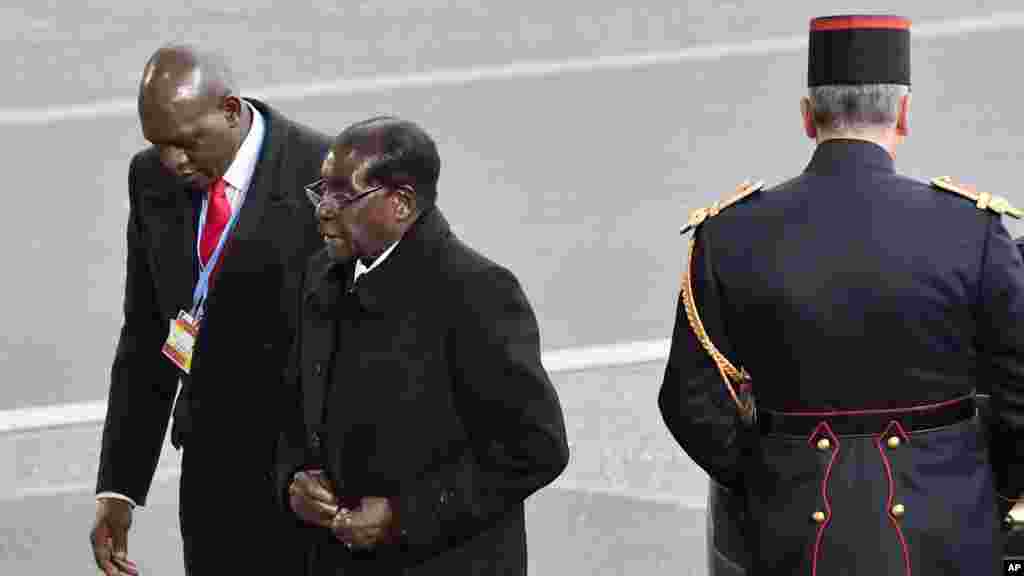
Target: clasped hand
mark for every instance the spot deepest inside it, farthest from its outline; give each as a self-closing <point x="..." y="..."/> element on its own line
<point x="312" y="498"/>
<point x="1015" y="517"/>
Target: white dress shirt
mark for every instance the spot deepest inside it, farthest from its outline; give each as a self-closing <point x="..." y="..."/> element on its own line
<point x="238" y="178"/>
<point x="363" y="269"/>
<point x="239" y="174"/>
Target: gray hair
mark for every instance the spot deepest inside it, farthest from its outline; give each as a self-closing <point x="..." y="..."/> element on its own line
<point x="856" y="107"/>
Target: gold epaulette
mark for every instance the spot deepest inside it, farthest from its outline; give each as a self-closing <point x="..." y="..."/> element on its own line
<point x="983" y="200"/>
<point x="737" y="381"/>
<point x="698" y="216"/>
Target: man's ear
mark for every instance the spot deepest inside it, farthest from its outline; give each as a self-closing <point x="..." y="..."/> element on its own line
<point x="903" y="121"/>
<point x="232" y="107"/>
<point x="405" y="203"/>
<point x="807" y="114"/>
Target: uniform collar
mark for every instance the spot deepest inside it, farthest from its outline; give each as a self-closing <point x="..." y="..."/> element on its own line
<point x="843" y="155"/>
<point x="239" y="173"/>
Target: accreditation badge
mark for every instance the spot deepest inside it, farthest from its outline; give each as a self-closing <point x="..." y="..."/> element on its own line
<point x="181" y="340"/>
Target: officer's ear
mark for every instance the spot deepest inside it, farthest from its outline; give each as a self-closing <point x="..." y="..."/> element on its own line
<point x="903" y="120"/>
<point x="807" y="112"/>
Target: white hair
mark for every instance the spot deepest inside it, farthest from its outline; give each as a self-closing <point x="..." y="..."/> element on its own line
<point x="856" y="107"/>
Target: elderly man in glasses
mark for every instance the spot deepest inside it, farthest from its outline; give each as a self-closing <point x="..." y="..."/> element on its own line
<point x="424" y="417"/>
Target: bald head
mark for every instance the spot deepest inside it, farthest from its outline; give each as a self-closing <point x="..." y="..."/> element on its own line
<point x="191" y="112"/>
<point x="176" y="74"/>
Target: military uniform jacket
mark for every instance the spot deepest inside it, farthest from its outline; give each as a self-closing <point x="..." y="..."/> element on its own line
<point x="852" y="288"/>
<point x="424" y="384"/>
<point x="227" y="413"/>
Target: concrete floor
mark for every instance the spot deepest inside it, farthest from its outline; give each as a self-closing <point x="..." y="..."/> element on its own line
<point x="577" y="178"/>
<point x="569" y="533"/>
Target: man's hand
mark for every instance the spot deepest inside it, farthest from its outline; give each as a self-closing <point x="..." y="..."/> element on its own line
<point x="109" y="537"/>
<point x="1015" y="517"/>
<point x="312" y="498"/>
<point x="368" y="526"/>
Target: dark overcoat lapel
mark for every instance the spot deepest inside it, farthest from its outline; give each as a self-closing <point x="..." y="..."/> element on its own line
<point x="170" y="219"/>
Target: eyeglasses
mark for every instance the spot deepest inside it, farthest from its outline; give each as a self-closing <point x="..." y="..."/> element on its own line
<point x="318" y="191"/>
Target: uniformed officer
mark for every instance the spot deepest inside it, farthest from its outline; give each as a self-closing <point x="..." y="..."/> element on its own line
<point x="863" y="309"/>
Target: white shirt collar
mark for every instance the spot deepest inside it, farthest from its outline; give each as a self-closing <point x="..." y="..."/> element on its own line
<point x="239" y="173"/>
<point x="363" y="269"/>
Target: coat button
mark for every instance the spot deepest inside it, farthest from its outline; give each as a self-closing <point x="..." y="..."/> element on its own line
<point x="318" y="369"/>
<point x="898" y="510"/>
<point x="818" y="516"/>
<point x="314" y="441"/>
<point x="824" y="444"/>
<point x="893" y="442"/>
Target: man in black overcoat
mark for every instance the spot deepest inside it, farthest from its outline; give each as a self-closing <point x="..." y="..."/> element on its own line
<point x="218" y="195"/>
<point x="863" y="310"/>
<point x="424" y="417"/>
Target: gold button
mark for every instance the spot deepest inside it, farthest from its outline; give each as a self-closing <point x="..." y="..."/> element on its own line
<point x="893" y="442"/>
<point x="824" y="444"/>
<point x="818" y="516"/>
<point x="898" y="510"/>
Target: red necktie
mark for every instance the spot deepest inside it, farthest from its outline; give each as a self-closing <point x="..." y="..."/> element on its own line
<point x="218" y="212"/>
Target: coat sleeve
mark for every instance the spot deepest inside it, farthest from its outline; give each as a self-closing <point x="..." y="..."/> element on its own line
<point x="513" y="418"/>
<point x="693" y="400"/>
<point x="289" y="450"/>
<point x="142" y="381"/>
<point x="1001" y="354"/>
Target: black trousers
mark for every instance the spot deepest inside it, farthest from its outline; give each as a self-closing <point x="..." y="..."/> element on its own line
<point x="728" y="554"/>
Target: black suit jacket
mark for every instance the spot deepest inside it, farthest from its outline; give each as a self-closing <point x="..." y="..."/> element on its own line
<point x="425" y="385"/>
<point x="227" y="408"/>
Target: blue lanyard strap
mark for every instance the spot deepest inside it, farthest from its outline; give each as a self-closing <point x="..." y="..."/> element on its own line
<point x="203" y="285"/>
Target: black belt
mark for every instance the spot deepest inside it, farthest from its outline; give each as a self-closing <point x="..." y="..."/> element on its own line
<point x="867" y="422"/>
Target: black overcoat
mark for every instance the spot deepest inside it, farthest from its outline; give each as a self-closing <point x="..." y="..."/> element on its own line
<point x="424" y="384"/>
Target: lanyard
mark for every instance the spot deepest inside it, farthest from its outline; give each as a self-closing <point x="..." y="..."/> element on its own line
<point x="203" y="285"/>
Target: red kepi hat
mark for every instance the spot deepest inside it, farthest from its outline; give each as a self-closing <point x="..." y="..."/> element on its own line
<point x="859" y="50"/>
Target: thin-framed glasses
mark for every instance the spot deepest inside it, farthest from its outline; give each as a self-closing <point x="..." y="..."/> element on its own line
<point x="317" y="191"/>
